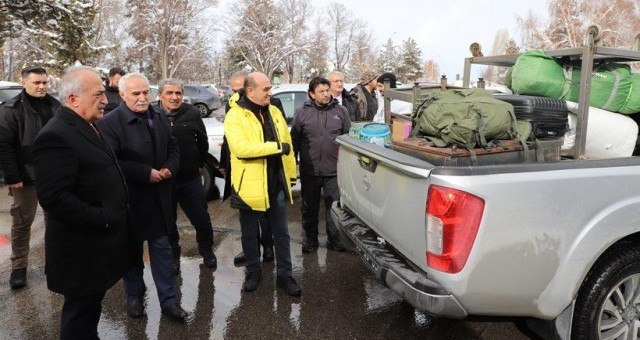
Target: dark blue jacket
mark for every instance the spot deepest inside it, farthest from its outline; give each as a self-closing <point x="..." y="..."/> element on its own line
<point x="138" y="151"/>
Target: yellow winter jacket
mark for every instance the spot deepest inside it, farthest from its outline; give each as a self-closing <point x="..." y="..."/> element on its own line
<point x="248" y="151"/>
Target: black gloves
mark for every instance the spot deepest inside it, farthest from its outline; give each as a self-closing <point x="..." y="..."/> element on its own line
<point x="286" y="148"/>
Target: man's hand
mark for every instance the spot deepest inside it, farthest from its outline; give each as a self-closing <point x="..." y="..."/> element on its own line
<point x="223" y="171"/>
<point x="15" y="186"/>
<point x="166" y="173"/>
<point x="156" y="176"/>
<point x="286" y="148"/>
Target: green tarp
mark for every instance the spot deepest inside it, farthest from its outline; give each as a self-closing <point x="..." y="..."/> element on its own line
<point x="537" y="74"/>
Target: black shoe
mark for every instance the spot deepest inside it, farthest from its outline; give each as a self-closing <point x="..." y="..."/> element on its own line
<point x="209" y="258"/>
<point x="267" y="256"/>
<point x="335" y="245"/>
<point x="310" y="245"/>
<point x="18" y="278"/>
<point x="175" y="312"/>
<point x="252" y="280"/>
<point x="175" y="265"/>
<point x="239" y="258"/>
<point x="289" y="285"/>
<point x="135" y="308"/>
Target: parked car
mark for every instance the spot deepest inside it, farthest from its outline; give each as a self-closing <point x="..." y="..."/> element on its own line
<point x="9" y="90"/>
<point x="215" y="133"/>
<point x="293" y="97"/>
<point x="203" y="97"/>
<point x="227" y="92"/>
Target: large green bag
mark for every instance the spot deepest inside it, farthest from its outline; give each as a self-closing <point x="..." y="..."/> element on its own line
<point x="537" y="74"/>
<point x="610" y="86"/>
<point x="466" y="117"/>
<point x="632" y="105"/>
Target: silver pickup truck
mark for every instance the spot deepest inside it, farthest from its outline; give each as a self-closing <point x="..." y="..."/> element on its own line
<point x="557" y="242"/>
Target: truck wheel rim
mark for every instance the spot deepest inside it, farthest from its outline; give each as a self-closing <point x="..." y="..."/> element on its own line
<point x="619" y="317"/>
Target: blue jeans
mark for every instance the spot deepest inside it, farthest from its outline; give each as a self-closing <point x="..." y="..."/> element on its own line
<point x="250" y="224"/>
<point x="190" y="195"/>
<point x="161" y="270"/>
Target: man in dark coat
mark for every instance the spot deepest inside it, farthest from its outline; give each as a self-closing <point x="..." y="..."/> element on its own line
<point x="84" y="197"/>
<point x="188" y="129"/>
<point x="111" y="85"/>
<point x="149" y="156"/>
<point x="313" y="132"/>
<point x="21" y="118"/>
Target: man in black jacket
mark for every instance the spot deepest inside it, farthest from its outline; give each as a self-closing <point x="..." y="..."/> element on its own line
<point x="21" y="118"/>
<point x="315" y="127"/>
<point x="111" y="85"/>
<point x="188" y="129"/>
<point x="148" y="155"/>
<point x="344" y="98"/>
<point x="84" y="196"/>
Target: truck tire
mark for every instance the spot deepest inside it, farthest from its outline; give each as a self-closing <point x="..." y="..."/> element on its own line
<point x="608" y="303"/>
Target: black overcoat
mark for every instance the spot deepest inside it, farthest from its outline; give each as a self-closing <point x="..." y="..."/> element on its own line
<point x="83" y="193"/>
<point x="140" y="149"/>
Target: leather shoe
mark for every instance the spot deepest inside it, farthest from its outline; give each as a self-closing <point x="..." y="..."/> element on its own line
<point x="18" y="278"/>
<point x="175" y="312"/>
<point x="252" y="280"/>
<point x="209" y="259"/>
<point x="334" y="243"/>
<point x="135" y="308"/>
<point x="267" y="256"/>
<point x="289" y="285"/>
<point x="310" y="245"/>
<point x="239" y="258"/>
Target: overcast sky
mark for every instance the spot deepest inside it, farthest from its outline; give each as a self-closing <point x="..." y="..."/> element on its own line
<point x="443" y="29"/>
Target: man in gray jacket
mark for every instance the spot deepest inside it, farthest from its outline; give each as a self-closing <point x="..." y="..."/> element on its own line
<point x="315" y="126"/>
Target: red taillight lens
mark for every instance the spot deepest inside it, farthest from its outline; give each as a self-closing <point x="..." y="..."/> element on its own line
<point x="452" y="221"/>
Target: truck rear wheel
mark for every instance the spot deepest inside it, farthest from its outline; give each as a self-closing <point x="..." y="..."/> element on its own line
<point x="608" y="302"/>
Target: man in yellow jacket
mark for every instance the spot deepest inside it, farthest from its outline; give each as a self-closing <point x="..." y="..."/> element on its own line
<point x="264" y="170"/>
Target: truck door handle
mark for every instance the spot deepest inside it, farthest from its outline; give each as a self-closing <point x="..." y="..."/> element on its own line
<point x="367" y="163"/>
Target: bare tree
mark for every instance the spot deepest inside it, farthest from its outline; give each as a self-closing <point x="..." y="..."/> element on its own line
<point x="259" y="32"/>
<point x="569" y="19"/>
<point x="168" y="34"/>
<point x="316" y="57"/>
<point x="298" y="13"/>
<point x="500" y="43"/>
<point x="431" y="72"/>
<point x="343" y="31"/>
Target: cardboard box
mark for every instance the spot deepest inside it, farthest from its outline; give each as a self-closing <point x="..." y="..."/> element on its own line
<point x="400" y="130"/>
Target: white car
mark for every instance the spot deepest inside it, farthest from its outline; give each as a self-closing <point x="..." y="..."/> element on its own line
<point x="292" y="97"/>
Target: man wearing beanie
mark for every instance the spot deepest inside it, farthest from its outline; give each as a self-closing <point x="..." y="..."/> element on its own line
<point x="397" y="106"/>
<point x="365" y="93"/>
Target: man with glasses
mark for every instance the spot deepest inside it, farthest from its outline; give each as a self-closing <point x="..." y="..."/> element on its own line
<point x="344" y="98"/>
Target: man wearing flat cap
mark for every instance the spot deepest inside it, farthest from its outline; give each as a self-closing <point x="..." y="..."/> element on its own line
<point x="365" y="93"/>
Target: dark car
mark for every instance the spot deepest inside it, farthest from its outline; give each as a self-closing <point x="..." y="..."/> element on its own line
<point x="202" y="97"/>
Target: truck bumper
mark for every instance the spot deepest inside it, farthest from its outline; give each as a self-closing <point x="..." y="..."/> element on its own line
<point x="393" y="270"/>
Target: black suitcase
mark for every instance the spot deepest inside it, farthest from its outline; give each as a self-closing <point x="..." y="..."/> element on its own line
<point x="548" y="116"/>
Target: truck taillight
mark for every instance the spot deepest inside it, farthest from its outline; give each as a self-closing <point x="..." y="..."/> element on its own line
<point x="452" y="221"/>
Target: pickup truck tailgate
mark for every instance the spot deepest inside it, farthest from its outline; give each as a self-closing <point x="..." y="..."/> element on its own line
<point x="371" y="184"/>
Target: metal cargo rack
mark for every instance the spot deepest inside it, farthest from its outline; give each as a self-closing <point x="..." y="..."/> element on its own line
<point x="584" y="56"/>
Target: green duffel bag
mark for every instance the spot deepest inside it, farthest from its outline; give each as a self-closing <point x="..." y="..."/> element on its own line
<point x="537" y="74"/>
<point x="465" y="117"/>
<point x="632" y="105"/>
<point x="610" y="86"/>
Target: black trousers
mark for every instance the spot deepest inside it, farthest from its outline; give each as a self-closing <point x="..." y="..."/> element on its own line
<point x="313" y="189"/>
<point x="80" y="316"/>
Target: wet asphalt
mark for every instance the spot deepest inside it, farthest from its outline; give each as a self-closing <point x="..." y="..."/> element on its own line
<point x="340" y="300"/>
